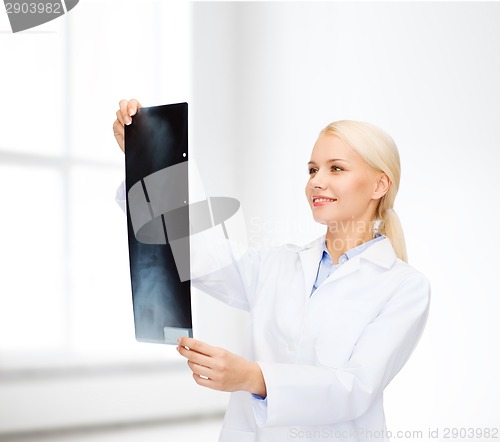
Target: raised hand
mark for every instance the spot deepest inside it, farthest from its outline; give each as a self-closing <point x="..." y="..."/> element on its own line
<point x="124" y="116"/>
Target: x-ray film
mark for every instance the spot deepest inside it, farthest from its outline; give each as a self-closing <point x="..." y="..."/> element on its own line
<point x="156" y="163"/>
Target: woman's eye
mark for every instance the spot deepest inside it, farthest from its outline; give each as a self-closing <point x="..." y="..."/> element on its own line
<point x="312" y="170"/>
<point x="336" y="169"/>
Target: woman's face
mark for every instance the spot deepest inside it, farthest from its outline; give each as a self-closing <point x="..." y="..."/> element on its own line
<point x="342" y="187"/>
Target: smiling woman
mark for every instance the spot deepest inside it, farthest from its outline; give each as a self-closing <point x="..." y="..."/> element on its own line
<point x="332" y="322"/>
<point x="354" y="178"/>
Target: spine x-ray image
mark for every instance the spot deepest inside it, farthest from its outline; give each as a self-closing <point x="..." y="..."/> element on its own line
<point x="156" y="162"/>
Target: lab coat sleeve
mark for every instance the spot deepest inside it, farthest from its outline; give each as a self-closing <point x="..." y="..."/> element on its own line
<point x="223" y="268"/>
<point x="121" y="197"/>
<point x="321" y="395"/>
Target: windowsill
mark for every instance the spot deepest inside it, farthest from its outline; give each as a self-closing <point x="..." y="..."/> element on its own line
<point x="87" y="369"/>
<point x="76" y="396"/>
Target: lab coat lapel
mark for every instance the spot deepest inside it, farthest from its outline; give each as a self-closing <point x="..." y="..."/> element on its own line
<point x="345" y="269"/>
<point x="310" y="256"/>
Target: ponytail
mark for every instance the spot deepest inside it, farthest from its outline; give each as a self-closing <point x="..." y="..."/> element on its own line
<point x="391" y="227"/>
<point x="378" y="149"/>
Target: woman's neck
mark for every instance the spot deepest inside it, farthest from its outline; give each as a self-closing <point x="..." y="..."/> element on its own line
<point x="339" y="241"/>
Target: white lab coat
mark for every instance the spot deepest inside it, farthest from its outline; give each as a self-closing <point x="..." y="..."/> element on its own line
<point x="326" y="358"/>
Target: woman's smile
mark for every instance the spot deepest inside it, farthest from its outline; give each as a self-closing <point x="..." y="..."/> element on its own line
<point x="320" y="200"/>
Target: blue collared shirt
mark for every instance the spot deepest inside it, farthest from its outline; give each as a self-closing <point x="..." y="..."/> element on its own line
<point x="326" y="266"/>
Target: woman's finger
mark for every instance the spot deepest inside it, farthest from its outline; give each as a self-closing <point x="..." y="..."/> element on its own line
<point x="133" y="105"/>
<point x="125" y="112"/>
<point x="200" y="370"/>
<point x="202" y="381"/>
<point x="198" y="346"/>
<point x="193" y="356"/>
<point x="119" y="117"/>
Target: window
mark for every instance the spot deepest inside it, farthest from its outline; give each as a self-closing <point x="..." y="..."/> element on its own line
<point x="65" y="293"/>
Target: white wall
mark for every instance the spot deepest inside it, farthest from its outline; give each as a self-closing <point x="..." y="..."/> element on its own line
<point x="269" y="76"/>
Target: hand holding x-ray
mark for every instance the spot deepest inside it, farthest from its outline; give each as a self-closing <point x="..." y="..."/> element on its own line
<point x="124" y="117"/>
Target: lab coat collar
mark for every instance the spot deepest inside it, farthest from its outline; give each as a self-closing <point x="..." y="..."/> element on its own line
<point x="381" y="253"/>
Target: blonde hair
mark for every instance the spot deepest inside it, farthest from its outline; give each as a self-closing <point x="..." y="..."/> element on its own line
<point x="379" y="150"/>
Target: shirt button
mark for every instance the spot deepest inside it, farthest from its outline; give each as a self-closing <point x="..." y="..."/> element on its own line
<point x="343" y="259"/>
